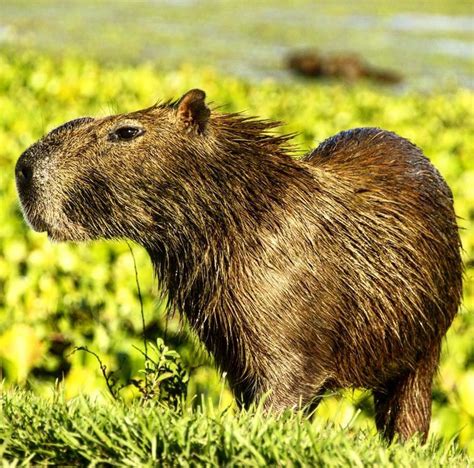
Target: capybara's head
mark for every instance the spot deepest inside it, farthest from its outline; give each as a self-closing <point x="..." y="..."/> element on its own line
<point x="92" y="178"/>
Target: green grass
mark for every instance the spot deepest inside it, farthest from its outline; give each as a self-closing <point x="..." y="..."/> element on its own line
<point x="55" y="297"/>
<point x="35" y="430"/>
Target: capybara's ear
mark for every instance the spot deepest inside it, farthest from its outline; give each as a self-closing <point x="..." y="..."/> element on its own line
<point x="192" y="110"/>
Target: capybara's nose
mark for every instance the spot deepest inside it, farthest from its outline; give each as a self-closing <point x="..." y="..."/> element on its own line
<point x="23" y="172"/>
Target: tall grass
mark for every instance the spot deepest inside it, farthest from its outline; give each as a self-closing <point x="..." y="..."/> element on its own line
<point x="36" y="430"/>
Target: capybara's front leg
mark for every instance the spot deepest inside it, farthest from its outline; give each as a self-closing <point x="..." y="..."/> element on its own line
<point x="281" y="393"/>
<point x="403" y="406"/>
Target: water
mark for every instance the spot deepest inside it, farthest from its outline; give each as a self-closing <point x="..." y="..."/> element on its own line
<point x="431" y="43"/>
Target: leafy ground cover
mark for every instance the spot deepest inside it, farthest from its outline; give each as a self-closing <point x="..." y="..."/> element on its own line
<point x="56" y="297"/>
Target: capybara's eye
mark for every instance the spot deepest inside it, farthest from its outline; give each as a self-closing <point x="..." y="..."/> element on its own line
<point x="126" y="133"/>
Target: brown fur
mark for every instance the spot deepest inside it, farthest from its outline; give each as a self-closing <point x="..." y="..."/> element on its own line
<point x="341" y="269"/>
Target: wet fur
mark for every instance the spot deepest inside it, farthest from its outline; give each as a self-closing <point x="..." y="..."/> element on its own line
<point x="341" y="269"/>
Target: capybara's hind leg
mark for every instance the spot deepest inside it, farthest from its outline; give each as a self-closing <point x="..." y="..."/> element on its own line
<point x="403" y="406"/>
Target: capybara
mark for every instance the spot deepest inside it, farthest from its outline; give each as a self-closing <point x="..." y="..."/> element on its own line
<point x="338" y="269"/>
<point x="347" y="66"/>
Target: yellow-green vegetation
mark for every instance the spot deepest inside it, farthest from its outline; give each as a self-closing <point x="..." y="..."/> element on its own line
<point x="55" y="297"/>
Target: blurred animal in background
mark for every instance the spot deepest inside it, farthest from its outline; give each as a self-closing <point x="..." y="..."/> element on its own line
<point x="346" y="66"/>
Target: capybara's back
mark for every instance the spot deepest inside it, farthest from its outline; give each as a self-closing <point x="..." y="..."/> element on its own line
<point x="394" y="251"/>
<point x="341" y="269"/>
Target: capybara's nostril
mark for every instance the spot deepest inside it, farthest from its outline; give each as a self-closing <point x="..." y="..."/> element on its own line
<point x="24" y="173"/>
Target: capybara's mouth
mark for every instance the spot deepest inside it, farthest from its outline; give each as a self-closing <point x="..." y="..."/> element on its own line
<point x="58" y="235"/>
<point x="36" y="222"/>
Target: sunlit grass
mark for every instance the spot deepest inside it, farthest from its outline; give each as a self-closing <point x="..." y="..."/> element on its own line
<point x="81" y="432"/>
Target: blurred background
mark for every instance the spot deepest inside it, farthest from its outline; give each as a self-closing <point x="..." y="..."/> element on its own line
<point x="321" y="67"/>
<point x="428" y="41"/>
